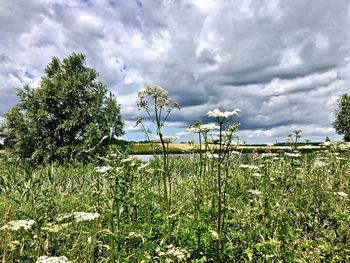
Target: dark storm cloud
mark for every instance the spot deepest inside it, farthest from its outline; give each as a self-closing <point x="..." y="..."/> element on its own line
<point x="284" y="63"/>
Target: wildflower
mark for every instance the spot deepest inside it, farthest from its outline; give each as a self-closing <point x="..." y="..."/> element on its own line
<point x="118" y="169"/>
<point x="79" y="216"/>
<point x="257" y="175"/>
<point x="293" y="155"/>
<point x="18" y="224"/>
<point x="255" y="192"/>
<point x="250" y="167"/>
<point x="46" y="259"/>
<point x="173" y="253"/>
<point x="203" y="128"/>
<point x="82" y="216"/>
<point x="342" y="194"/>
<point x="344" y="146"/>
<point x="103" y="169"/>
<point x="319" y="164"/>
<point x="216" y="113"/>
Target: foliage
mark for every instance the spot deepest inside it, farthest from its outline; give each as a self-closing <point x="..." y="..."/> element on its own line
<point x="292" y="138"/>
<point x="342" y="117"/>
<point x="276" y="210"/>
<point x="65" y="118"/>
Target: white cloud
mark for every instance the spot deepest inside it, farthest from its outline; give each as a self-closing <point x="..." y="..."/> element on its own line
<point x="281" y="67"/>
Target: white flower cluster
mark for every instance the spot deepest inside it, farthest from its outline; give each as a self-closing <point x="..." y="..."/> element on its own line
<point x="255" y="192"/>
<point x="248" y="166"/>
<point x="345" y="146"/>
<point x="293" y="155"/>
<point x="79" y="216"/>
<point x="216" y="113"/>
<point x="83" y="216"/>
<point x="204" y="128"/>
<point x="18" y="224"/>
<point x="257" y="175"/>
<point x="319" y="164"/>
<point x="179" y="254"/>
<point x="153" y="90"/>
<point x="46" y="259"/>
<point x="103" y="169"/>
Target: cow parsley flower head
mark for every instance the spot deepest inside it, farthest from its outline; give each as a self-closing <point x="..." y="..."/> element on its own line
<point x="319" y="164"/>
<point x="257" y="175"/>
<point x="18" y="224"/>
<point x="46" y="259"/>
<point x="208" y="127"/>
<point x="83" y="216"/>
<point x="79" y="216"/>
<point x="103" y="169"/>
<point x="248" y="166"/>
<point x="216" y="113"/>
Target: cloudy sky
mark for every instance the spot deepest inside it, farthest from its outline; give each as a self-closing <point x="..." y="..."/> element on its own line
<point x="283" y="63"/>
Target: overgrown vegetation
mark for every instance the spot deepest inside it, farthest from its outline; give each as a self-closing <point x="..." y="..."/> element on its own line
<point x="276" y="208"/>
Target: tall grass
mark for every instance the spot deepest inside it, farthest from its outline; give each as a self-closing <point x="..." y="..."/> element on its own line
<point x="273" y="209"/>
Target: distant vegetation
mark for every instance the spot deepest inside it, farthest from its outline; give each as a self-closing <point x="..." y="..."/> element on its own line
<point x="69" y="117"/>
<point x="342" y="117"/>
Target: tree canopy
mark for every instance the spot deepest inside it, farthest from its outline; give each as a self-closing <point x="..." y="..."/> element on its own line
<point x="342" y="117"/>
<point x="65" y="118"/>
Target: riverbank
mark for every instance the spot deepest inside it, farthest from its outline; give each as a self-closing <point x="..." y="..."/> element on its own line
<point x="185" y="148"/>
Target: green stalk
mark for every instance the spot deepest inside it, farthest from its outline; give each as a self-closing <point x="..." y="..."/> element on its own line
<point x="219" y="208"/>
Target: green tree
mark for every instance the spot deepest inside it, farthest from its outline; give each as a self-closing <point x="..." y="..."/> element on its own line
<point x="342" y="117"/>
<point x="66" y="118"/>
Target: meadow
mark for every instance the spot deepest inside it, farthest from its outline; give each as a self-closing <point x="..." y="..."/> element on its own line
<point x="273" y="207"/>
<point x="223" y="202"/>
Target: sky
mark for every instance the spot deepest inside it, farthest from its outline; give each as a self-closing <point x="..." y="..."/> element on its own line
<point x="282" y="63"/>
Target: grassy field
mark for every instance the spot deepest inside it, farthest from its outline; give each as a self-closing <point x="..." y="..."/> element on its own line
<point x="275" y="208"/>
